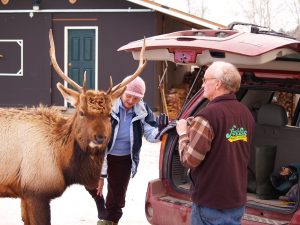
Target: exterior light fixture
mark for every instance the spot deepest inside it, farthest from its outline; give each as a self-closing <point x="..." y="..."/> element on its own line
<point x="36" y="5"/>
<point x="4" y="2"/>
<point x="72" y="1"/>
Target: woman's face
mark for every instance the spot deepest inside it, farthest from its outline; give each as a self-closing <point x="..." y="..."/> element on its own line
<point x="129" y="100"/>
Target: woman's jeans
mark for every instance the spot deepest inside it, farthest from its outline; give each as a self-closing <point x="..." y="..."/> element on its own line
<point x="208" y="216"/>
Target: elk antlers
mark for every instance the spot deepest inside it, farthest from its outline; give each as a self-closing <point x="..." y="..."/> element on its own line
<point x="139" y="70"/>
<point x="111" y="90"/>
<point x="59" y="71"/>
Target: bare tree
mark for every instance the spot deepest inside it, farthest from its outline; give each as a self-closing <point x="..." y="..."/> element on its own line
<point x="201" y="11"/>
<point x="292" y="7"/>
<point x="189" y="6"/>
<point x="258" y="12"/>
<point x="197" y="7"/>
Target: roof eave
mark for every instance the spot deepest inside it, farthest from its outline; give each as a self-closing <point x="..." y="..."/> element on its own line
<point x="178" y="14"/>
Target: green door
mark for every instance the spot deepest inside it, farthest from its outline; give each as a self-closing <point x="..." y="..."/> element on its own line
<point x="81" y="55"/>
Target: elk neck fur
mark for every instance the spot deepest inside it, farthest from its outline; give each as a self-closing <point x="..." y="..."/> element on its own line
<point x="42" y="143"/>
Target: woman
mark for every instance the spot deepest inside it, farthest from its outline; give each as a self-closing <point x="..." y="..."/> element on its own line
<point x="131" y="120"/>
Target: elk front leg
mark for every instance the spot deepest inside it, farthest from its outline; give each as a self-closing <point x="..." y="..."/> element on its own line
<point x="36" y="211"/>
<point x="24" y="212"/>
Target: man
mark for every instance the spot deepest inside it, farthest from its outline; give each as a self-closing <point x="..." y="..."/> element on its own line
<point x="131" y="120"/>
<point x="215" y="145"/>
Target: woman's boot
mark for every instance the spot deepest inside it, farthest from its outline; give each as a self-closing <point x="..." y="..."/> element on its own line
<point x="106" y="222"/>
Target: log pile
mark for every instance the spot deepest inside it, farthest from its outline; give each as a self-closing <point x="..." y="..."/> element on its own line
<point x="177" y="95"/>
<point x="286" y="100"/>
<point x="175" y="99"/>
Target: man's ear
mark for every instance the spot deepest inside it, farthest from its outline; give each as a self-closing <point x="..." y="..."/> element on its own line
<point x="69" y="95"/>
<point x="218" y="85"/>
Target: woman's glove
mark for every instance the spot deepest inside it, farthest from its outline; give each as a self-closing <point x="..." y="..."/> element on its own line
<point x="162" y="121"/>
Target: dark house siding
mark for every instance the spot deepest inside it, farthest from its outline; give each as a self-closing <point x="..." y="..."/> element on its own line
<point x="38" y="83"/>
<point x="116" y="27"/>
<point x="34" y="86"/>
<point x="80" y="4"/>
<point x="114" y="30"/>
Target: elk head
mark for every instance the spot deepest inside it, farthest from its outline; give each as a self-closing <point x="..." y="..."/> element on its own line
<point x="91" y="125"/>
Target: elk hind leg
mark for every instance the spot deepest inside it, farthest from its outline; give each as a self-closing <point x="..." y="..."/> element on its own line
<point x="36" y="211"/>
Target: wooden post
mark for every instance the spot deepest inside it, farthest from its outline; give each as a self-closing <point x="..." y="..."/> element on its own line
<point x="163" y="98"/>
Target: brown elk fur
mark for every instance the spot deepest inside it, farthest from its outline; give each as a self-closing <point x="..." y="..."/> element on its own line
<point x="42" y="151"/>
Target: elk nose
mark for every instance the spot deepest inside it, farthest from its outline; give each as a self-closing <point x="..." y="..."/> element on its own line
<point x="99" y="139"/>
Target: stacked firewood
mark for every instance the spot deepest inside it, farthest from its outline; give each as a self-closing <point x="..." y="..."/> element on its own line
<point x="175" y="100"/>
<point x="286" y="100"/>
<point x="176" y="96"/>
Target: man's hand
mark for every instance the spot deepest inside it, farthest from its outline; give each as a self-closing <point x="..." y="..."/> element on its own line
<point x="181" y="127"/>
<point x="100" y="186"/>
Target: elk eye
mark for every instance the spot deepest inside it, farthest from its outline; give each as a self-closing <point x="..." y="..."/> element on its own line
<point x="81" y="113"/>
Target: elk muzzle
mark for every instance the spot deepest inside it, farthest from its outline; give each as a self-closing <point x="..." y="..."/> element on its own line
<point x="99" y="141"/>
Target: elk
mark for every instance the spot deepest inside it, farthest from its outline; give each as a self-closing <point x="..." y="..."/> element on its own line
<point x="42" y="151"/>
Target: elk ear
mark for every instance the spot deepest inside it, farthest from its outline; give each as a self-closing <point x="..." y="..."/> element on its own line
<point x="116" y="94"/>
<point x="69" y="95"/>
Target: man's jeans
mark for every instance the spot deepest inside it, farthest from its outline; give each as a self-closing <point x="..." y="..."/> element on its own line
<point x="207" y="216"/>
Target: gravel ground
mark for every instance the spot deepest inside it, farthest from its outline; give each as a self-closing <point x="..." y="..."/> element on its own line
<point x="76" y="207"/>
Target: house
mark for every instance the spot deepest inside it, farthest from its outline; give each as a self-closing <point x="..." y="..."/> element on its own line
<point x="87" y="35"/>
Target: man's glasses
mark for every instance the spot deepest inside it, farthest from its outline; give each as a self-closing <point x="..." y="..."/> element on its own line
<point x="204" y="79"/>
